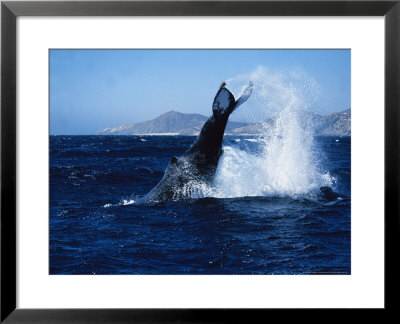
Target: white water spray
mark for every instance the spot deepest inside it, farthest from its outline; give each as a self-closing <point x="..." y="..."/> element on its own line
<point x="288" y="162"/>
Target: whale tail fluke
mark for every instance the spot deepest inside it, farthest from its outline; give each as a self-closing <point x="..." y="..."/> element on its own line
<point x="224" y="101"/>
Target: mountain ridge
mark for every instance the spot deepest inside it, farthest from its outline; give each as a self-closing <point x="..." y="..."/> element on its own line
<point x="177" y="123"/>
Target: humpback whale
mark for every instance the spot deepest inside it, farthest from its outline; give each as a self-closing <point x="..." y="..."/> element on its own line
<point x="199" y="163"/>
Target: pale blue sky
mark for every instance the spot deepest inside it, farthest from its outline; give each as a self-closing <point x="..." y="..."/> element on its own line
<point x="95" y="89"/>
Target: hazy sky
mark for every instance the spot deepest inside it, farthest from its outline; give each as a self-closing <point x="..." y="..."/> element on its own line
<point x="95" y="89"/>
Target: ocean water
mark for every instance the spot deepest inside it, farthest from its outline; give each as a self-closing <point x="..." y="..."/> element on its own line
<point x="265" y="213"/>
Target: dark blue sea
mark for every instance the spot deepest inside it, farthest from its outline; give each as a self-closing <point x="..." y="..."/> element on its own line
<point x="99" y="226"/>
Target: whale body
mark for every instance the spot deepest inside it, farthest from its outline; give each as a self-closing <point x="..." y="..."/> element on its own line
<point x="199" y="164"/>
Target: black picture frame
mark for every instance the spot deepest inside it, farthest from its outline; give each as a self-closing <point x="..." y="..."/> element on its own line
<point x="10" y="10"/>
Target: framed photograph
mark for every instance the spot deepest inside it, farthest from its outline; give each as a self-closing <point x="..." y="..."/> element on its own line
<point x="192" y="160"/>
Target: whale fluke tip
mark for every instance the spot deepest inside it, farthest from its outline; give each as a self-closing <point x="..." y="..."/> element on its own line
<point x="245" y="95"/>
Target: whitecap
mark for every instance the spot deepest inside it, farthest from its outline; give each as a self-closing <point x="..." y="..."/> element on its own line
<point x="127" y="202"/>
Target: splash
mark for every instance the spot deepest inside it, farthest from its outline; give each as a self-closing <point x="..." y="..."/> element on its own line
<point x="288" y="162"/>
<point x="123" y="202"/>
<point x="273" y="92"/>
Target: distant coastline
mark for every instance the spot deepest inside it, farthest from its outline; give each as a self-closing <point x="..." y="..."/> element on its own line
<point x="174" y="123"/>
